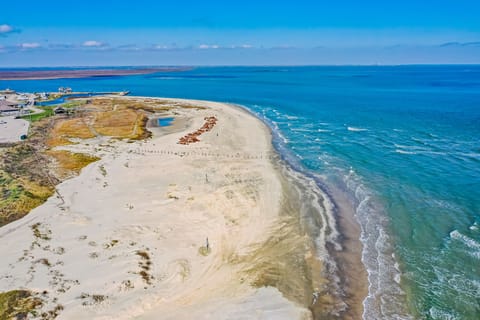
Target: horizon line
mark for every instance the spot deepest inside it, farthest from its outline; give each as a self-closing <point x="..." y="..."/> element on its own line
<point x="242" y="65"/>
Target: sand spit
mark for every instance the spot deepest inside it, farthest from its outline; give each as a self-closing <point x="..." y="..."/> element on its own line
<point x="79" y="73"/>
<point x="162" y="230"/>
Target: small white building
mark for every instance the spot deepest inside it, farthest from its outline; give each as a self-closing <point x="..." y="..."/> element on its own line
<point x="65" y="89"/>
<point x="43" y="95"/>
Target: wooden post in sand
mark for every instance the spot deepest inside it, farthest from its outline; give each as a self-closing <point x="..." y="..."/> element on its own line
<point x="207" y="245"/>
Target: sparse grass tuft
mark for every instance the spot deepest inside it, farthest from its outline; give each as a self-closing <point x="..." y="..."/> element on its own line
<point x="143" y="254"/>
<point x="44" y="234"/>
<point x="92" y="299"/>
<point x="145" y="264"/>
<point x="204" y="251"/>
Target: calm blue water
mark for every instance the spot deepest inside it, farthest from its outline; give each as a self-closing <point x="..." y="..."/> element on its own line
<point x="165" y="122"/>
<point x="403" y="141"/>
<point x="64" y="99"/>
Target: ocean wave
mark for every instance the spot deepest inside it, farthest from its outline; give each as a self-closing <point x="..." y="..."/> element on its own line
<point x="407" y="149"/>
<point x="320" y="224"/>
<point x="474" y="227"/>
<point x="411" y="148"/>
<point x="301" y="130"/>
<point x="323" y="130"/>
<point x="472" y="244"/>
<point x="383" y="270"/>
<point x="325" y="160"/>
<point x="278" y="132"/>
<point x="404" y="152"/>
<point x="281" y="115"/>
<point x="470" y="155"/>
<point x="419" y="141"/>
<point x="356" y="129"/>
<point x="465" y="289"/>
<point x="324" y="234"/>
<point x="438" y="314"/>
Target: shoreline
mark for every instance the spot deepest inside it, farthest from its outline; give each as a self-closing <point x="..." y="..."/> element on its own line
<point x="248" y="205"/>
<point x="353" y="276"/>
<point x="79" y="73"/>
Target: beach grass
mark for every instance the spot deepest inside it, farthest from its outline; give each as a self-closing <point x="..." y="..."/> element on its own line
<point x="69" y="128"/>
<point x="71" y="162"/>
<point x="24" y="182"/>
<point x="19" y="196"/>
<point x="124" y="123"/>
<point x="17" y="304"/>
<point x="119" y="124"/>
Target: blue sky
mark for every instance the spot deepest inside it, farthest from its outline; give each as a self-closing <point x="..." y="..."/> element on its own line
<point x="185" y="32"/>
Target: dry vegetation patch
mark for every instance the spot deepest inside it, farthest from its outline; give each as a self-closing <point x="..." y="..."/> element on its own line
<point x="18" y="304"/>
<point x="69" y="128"/>
<point x="118" y="123"/>
<point x="68" y="163"/>
<point x="23" y="182"/>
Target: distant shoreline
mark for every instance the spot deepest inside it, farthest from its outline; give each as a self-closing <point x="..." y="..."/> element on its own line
<point x="79" y="73"/>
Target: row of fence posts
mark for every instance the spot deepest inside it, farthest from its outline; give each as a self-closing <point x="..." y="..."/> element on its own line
<point x="202" y="154"/>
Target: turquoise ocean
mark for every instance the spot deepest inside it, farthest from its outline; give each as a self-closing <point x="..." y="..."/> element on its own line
<point x="402" y="141"/>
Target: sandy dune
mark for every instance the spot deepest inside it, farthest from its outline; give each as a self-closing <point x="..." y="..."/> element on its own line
<point x="128" y="239"/>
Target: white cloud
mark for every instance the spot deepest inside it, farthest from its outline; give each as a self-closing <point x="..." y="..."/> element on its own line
<point x="242" y="46"/>
<point x="207" y="46"/>
<point x="216" y="46"/>
<point x="5" y="28"/>
<point x="30" y="45"/>
<point x="93" y="43"/>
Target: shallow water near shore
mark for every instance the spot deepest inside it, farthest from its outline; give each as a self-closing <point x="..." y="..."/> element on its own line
<point x="400" y="142"/>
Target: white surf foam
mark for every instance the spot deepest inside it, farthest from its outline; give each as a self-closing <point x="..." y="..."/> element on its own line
<point x="438" y="314"/>
<point x="386" y="299"/>
<point x="404" y="152"/>
<point x="471" y="244"/>
<point x="355" y="129"/>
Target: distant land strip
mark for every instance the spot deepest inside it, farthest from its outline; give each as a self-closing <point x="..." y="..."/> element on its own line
<point x="79" y="73"/>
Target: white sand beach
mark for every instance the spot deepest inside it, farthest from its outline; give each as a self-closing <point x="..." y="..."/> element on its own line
<point x="12" y="129"/>
<point x="128" y="240"/>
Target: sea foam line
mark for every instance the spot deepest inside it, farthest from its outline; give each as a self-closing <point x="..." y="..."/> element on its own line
<point x="313" y="196"/>
<point x="386" y="299"/>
